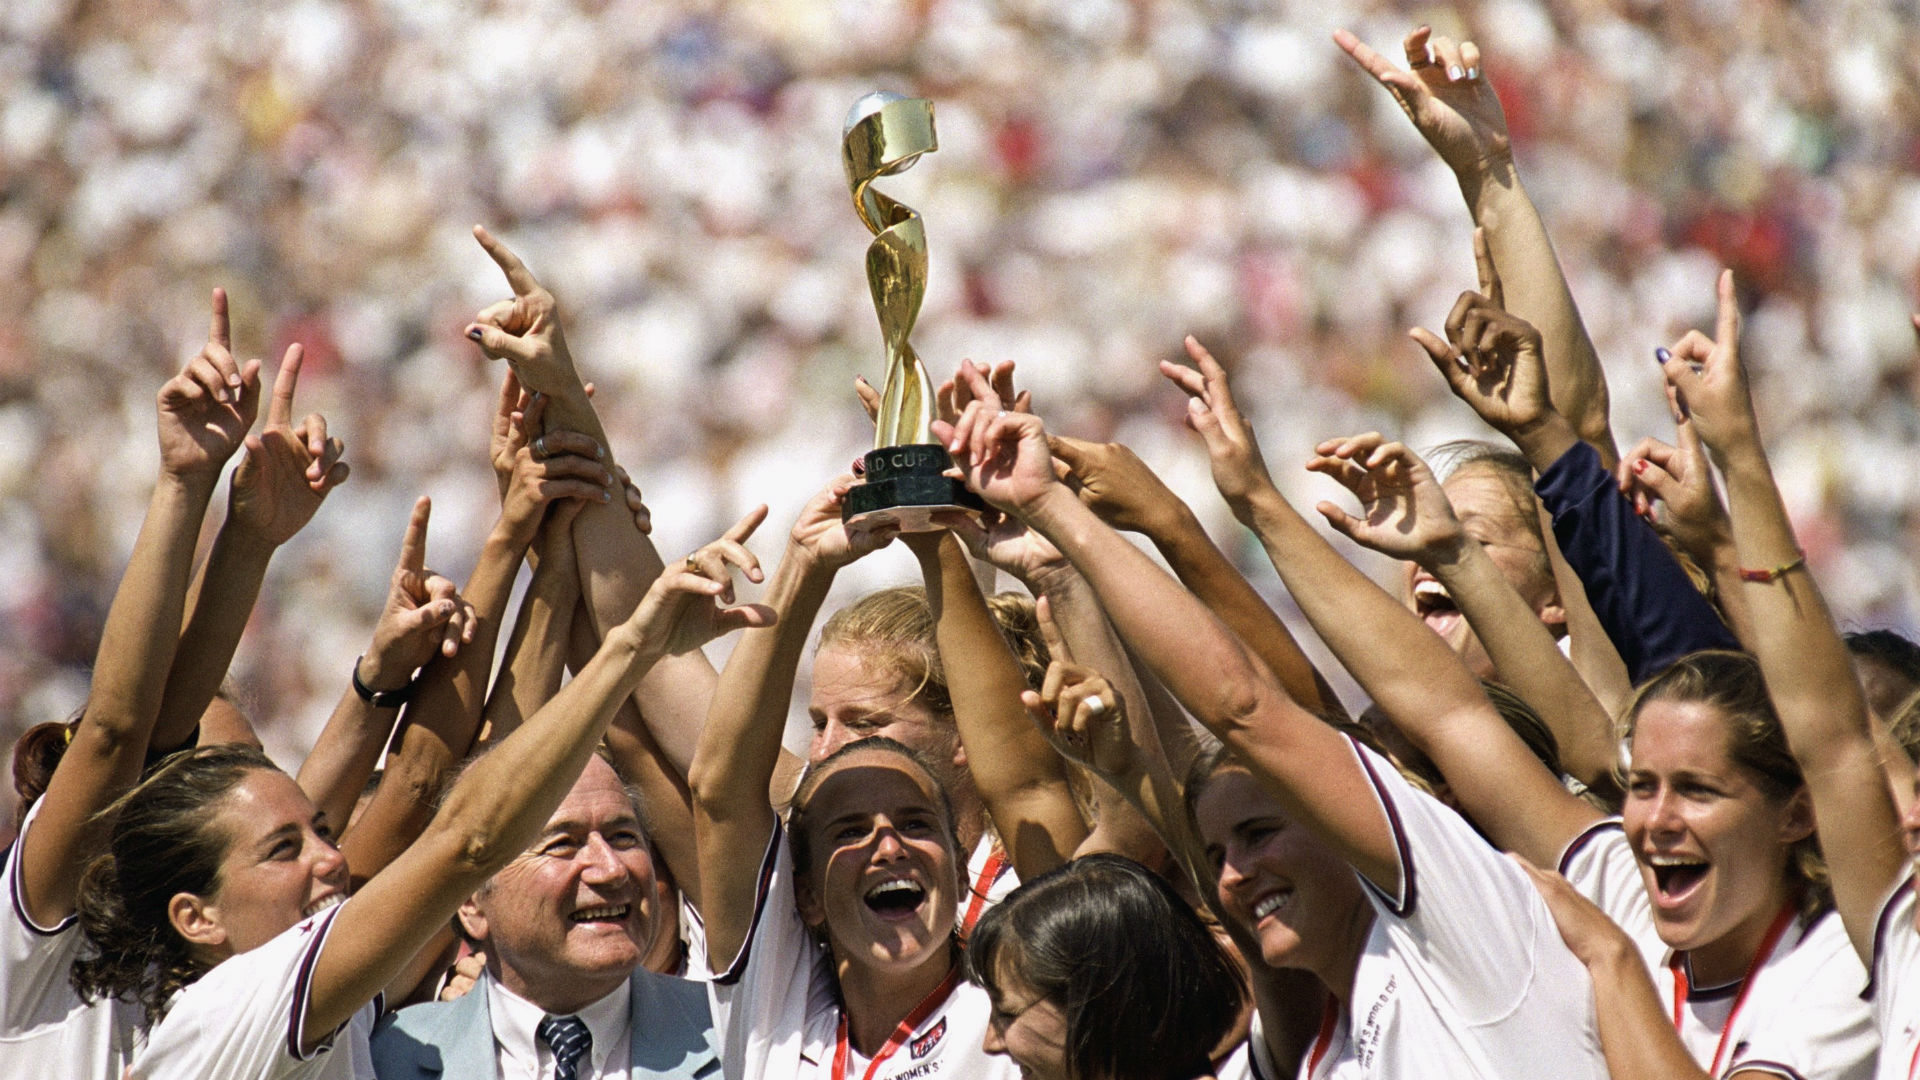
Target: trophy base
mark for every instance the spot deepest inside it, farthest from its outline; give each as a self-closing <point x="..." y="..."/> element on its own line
<point x="905" y="487"/>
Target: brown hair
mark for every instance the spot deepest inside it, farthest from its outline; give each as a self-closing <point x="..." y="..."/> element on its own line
<point x="35" y="757"/>
<point x="163" y="843"/>
<point x="1731" y="683"/>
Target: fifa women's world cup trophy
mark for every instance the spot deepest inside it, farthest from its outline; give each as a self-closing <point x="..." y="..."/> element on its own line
<point x="905" y="483"/>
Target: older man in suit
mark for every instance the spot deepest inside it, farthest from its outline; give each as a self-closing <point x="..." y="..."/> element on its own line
<point x="564" y="997"/>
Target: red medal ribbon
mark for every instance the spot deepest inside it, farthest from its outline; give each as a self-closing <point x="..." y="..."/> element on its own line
<point x="990" y="873"/>
<point x="1680" y="988"/>
<point x="901" y="1033"/>
<point x="1329" y="1020"/>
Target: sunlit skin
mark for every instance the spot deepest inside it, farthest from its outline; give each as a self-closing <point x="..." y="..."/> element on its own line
<point x="1321" y="921"/>
<point x="280" y="866"/>
<point x="224" y="724"/>
<point x="1687" y="801"/>
<point x="857" y="695"/>
<point x="877" y="819"/>
<point x="568" y="921"/>
<point x="1030" y="1029"/>
<point x="1490" y="513"/>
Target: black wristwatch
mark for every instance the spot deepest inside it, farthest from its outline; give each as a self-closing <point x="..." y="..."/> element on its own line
<point x="380" y="699"/>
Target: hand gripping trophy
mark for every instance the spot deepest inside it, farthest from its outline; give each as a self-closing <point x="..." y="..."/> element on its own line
<point x="906" y="481"/>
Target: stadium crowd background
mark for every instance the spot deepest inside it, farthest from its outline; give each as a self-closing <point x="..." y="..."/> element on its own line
<point x="1111" y="175"/>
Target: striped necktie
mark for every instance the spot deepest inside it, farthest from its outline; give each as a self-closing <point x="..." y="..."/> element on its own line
<point x="569" y="1039"/>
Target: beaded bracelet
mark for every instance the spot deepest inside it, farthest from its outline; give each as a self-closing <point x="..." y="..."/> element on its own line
<point x="1762" y="577"/>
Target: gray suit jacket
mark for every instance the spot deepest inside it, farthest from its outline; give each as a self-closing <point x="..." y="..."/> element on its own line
<point x="453" y="1040"/>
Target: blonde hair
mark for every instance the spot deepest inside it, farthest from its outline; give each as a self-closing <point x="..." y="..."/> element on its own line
<point x="895" y="627"/>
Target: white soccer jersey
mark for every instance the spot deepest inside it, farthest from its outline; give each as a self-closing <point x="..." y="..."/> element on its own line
<point x="1798" y="1016"/>
<point x="990" y="878"/>
<point x="42" y="1019"/>
<point x="245" y="1020"/>
<point x="775" y="1012"/>
<point x="1895" y="992"/>
<point x="1464" y="974"/>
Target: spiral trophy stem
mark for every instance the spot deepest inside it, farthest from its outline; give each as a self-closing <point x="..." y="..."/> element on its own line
<point x="905" y="472"/>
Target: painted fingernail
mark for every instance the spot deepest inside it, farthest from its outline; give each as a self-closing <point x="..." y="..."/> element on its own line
<point x="1454" y="72"/>
<point x="1473" y="73"/>
<point x="1640" y="465"/>
<point x="474" y="333"/>
<point x="1662" y="355"/>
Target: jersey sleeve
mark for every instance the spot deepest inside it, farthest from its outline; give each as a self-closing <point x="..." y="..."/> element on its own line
<point x="1466" y="918"/>
<point x="246" y="1018"/>
<point x="1600" y="865"/>
<point x="1895" y="960"/>
<point x="1819" y="1026"/>
<point x="34" y="960"/>
<point x="760" y="1002"/>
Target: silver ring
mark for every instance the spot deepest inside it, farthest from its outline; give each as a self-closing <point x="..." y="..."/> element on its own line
<point x="1095" y="706"/>
<point x="539" y="448"/>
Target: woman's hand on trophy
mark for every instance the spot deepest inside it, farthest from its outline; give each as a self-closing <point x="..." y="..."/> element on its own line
<point x="1001" y="455"/>
<point x="525" y="329"/>
<point x="973" y="381"/>
<point x="823" y="540"/>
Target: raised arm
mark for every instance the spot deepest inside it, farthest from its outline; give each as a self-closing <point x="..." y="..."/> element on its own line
<point x="499" y="805"/>
<point x="1407" y="669"/>
<point x="1310" y="766"/>
<point x="616" y="559"/>
<point x="740" y="744"/>
<point x="1406" y="514"/>
<point x="1126" y="494"/>
<point x="204" y="412"/>
<point x="280" y="483"/>
<point x="1493" y="361"/>
<point x="421" y="615"/>
<point x="538" y="647"/>
<point x="1454" y="107"/>
<point x="1021" y="780"/>
<point x="1810" y="677"/>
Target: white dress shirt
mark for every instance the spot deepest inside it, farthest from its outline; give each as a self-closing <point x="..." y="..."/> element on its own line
<point x="521" y="1055"/>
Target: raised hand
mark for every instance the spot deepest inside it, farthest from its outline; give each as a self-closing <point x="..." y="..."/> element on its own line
<point x="1491" y="359"/>
<point x="424" y="612"/>
<point x="523" y="331"/>
<point x="1114" y="483"/>
<point x="1709" y="381"/>
<point x="288" y="470"/>
<point x="207" y="409"/>
<point x="1678" y="478"/>
<point x="1452" y="106"/>
<point x="1404" y="511"/>
<point x="1005" y="543"/>
<point x="684" y="610"/>
<point x="557" y="465"/>
<point x="1001" y="455"/>
<point x="1238" y="469"/>
<point x="1077" y="709"/>
<point x="823" y="538"/>
<point x="509" y="428"/>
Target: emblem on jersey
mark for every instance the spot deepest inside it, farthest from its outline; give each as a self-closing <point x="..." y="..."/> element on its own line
<point x="924" y="1045"/>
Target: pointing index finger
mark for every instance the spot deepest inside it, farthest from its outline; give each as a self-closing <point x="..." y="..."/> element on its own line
<point x="1727" y="326"/>
<point x="518" y="276"/>
<point x="1050" y="632"/>
<point x="219" y="332"/>
<point x="413" y="546"/>
<point x="280" y="411"/>
<point x="744" y="527"/>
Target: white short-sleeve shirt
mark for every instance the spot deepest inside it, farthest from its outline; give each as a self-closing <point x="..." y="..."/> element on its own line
<point x="1895" y="991"/>
<point x="245" y="1020"/>
<point x="42" y="1019"/>
<point x="990" y="878"/>
<point x="1799" y="1016"/>
<point x="776" y="1014"/>
<point x="1464" y="973"/>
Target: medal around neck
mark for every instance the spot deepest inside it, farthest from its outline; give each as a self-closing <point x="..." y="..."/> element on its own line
<point x="905" y="483"/>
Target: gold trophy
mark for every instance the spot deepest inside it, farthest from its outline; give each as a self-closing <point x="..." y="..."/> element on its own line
<point x="906" y="482"/>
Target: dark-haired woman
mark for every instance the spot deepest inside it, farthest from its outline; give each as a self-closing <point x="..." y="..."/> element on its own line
<point x="1099" y="971"/>
<point x="222" y="904"/>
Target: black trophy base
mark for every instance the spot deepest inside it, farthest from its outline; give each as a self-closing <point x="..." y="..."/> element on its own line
<point x="905" y="487"/>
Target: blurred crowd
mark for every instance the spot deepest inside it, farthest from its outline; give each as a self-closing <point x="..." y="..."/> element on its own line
<point x="1111" y="175"/>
